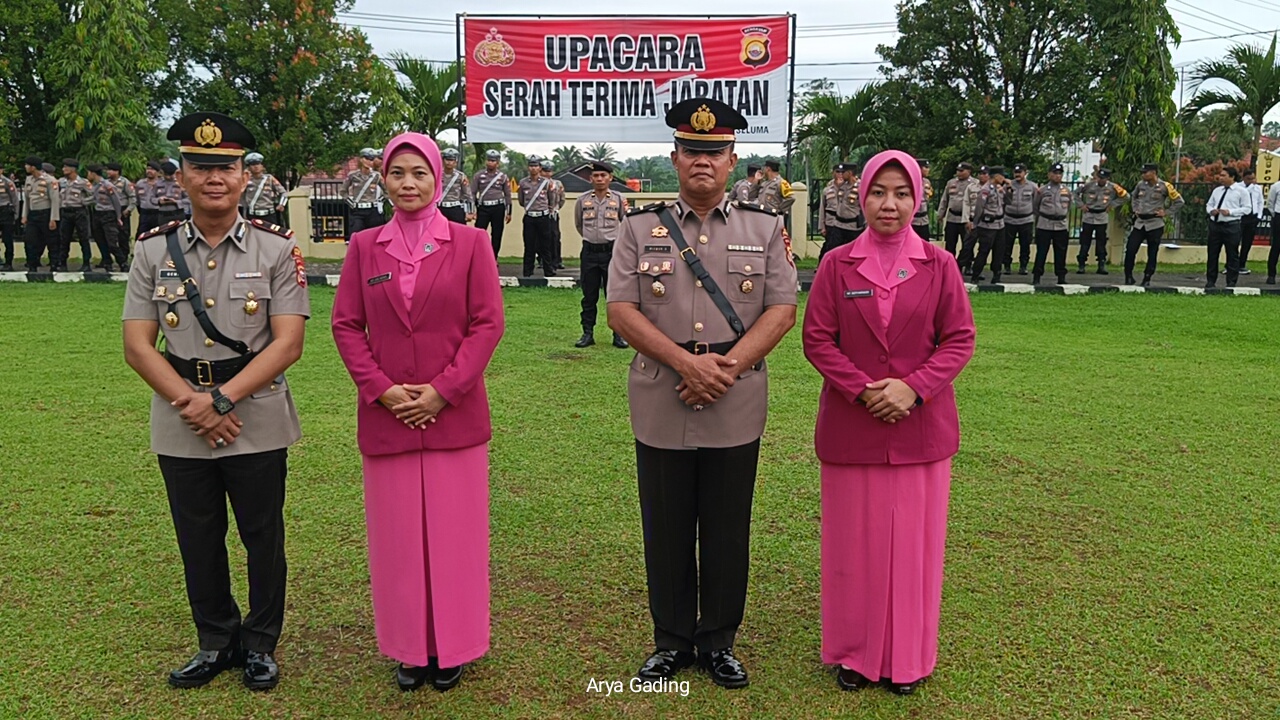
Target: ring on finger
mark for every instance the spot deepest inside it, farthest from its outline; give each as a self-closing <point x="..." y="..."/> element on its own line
<point x="220" y="442"/>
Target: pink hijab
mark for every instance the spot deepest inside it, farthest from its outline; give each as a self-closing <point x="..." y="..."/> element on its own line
<point x="887" y="247"/>
<point x="416" y="224"/>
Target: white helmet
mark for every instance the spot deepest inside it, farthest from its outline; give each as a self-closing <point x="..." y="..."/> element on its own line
<point x="252" y="158"/>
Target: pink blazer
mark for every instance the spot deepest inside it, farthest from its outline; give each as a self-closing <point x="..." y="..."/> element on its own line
<point x="447" y="340"/>
<point x="930" y="339"/>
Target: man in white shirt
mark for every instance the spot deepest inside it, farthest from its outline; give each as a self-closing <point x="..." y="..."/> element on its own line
<point x="1249" y="224"/>
<point x="1273" y="210"/>
<point x="1227" y="205"/>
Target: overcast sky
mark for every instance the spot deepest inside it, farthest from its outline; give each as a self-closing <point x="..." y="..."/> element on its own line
<point x="828" y="32"/>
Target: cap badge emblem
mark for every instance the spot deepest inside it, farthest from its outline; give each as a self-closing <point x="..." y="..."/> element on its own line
<point x="703" y="120"/>
<point x="208" y="134"/>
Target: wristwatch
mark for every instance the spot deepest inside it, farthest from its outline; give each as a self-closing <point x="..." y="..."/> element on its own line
<point x="221" y="402"/>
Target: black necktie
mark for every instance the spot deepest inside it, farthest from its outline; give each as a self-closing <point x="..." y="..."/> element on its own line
<point x="1221" y="199"/>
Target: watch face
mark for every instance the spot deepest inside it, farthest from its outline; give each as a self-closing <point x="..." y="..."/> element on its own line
<point x="223" y="404"/>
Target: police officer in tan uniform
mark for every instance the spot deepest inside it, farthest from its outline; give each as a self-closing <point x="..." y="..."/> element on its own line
<point x="168" y="195"/>
<point x="1097" y="199"/>
<point x="535" y="196"/>
<point x="456" y="202"/>
<point x="108" y="221"/>
<point x="264" y="196"/>
<point x="920" y="221"/>
<point x="128" y="197"/>
<point x="703" y="288"/>
<point x="742" y="189"/>
<point x="557" y="201"/>
<point x="493" y="199"/>
<point x="1019" y="219"/>
<point x="230" y="296"/>
<point x="41" y="211"/>
<point x="1153" y="201"/>
<point x="76" y="199"/>
<point x="773" y="192"/>
<point x="1051" y="204"/>
<point x="955" y="208"/>
<point x="839" y="213"/>
<point x="146" y="189"/>
<point x="597" y="215"/>
<point x="989" y="214"/>
<point x="363" y="190"/>
<point x="9" y="208"/>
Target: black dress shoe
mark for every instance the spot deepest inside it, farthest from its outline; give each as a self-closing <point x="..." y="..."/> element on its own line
<point x="1102" y="269"/>
<point x="260" y="671"/>
<point x="446" y="679"/>
<point x="905" y="688"/>
<point x="995" y="279"/>
<point x="1035" y="279"/>
<point x="1210" y="285"/>
<point x="1062" y="279"/>
<point x="975" y="279"/>
<point x="7" y="267"/>
<point x="1022" y="269"/>
<point x="619" y="343"/>
<point x="1128" y="280"/>
<point x="850" y="679"/>
<point x="204" y="667"/>
<point x="664" y="664"/>
<point x="587" y="340"/>
<point x="409" y="679"/>
<point x="1271" y="279"/>
<point x="725" y="669"/>
<point x="1080" y="270"/>
<point x="1146" y="281"/>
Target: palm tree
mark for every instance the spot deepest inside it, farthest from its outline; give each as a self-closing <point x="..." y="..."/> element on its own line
<point x="602" y="152"/>
<point x="430" y="91"/>
<point x="847" y="124"/>
<point x="1254" y="78"/>
<point x="567" y="156"/>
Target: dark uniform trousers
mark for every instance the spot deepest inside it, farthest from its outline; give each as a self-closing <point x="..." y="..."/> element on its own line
<point x="75" y="221"/>
<point x="557" y="259"/>
<point x="1248" y="228"/>
<point x="953" y="234"/>
<point x="37" y="237"/>
<point x="696" y="499"/>
<point x="1023" y="235"/>
<point x="539" y="241"/>
<point x="1057" y="238"/>
<point x="836" y="237"/>
<point x="594" y="278"/>
<point x="362" y="218"/>
<point x="1223" y="235"/>
<point x="494" y="219"/>
<point x="1274" y="255"/>
<point x="1089" y="232"/>
<point x="198" y="490"/>
<point x="455" y="213"/>
<point x="111" y="239"/>
<point x="8" y="232"/>
<point x="1136" y="238"/>
<point x="990" y="240"/>
<point x="147" y="219"/>
<point x="923" y="230"/>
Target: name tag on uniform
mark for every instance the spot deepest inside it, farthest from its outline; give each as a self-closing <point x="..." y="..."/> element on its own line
<point x="247" y="275"/>
<point x="168" y="273"/>
<point x="380" y="278"/>
<point x="858" y="293"/>
<point x="746" y="248"/>
<point x="657" y="248"/>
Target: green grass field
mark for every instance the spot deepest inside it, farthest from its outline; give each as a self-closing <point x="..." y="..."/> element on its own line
<point x="1115" y="524"/>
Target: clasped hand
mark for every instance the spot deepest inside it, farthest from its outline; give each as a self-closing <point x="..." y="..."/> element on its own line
<point x="704" y="379"/>
<point x="889" y="399"/>
<point x="196" y="410"/>
<point x="414" y="405"/>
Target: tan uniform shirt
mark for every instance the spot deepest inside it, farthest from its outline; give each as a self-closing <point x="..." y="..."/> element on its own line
<point x="599" y="218"/>
<point x="1150" y="197"/>
<point x="8" y="195"/>
<point x="128" y="193"/>
<point x="775" y="194"/>
<point x="958" y="199"/>
<point x="921" y="218"/>
<point x="106" y="198"/>
<point x="557" y="196"/>
<point x="146" y="192"/>
<point x="533" y="200"/>
<point x="76" y="193"/>
<point x="250" y="260"/>
<point x="168" y="194"/>
<point x="268" y="191"/>
<point x="457" y="191"/>
<point x="1097" y="200"/>
<point x="493" y="188"/>
<point x="989" y="212"/>
<point x="363" y="188"/>
<point x="839" y="207"/>
<point x="40" y="192"/>
<point x="1052" y="202"/>
<point x="1021" y="206"/>
<point x="741" y="191"/>
<point x="748" y="254"/>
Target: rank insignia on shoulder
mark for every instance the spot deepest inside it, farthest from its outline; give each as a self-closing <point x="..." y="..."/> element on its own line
<point x="753" y="206"/>
<point x="274" y="229"/>
<point x="651" y="207"/>
<point x="162" y="230"/>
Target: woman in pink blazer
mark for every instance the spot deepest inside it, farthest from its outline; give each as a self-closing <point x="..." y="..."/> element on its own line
<point x="417" y="317"/>
<point x="888" y="325"/>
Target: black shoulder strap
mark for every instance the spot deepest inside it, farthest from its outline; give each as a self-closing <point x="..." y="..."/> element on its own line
<point x="700" y="272"/>
<point x="193" y="294"/>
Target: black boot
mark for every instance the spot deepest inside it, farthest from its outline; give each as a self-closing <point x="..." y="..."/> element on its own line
<point x="1102" y="268"/>
<point x="1146" y="281"/>
<point x="1062" y="279"/>
<point x="1035" y="279"/>
<point x="587" y="340"/>
<point x="1128" y="279"/>
<point x="1022" y="269"/>
<point x="1080" y="270"/>
<point x="1271" y="279"/>
<point x="619" y="343"/>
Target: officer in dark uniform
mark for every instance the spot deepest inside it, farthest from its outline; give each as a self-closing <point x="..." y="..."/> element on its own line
<point x="230" y="295"/>
<point x="703" y="288"/>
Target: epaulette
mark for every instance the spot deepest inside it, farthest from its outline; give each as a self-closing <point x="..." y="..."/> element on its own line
<point x="651" y="207"/>
<point x="162" y="230"/>
<point x="275" y="229"/>
<point x="754" y="206"/>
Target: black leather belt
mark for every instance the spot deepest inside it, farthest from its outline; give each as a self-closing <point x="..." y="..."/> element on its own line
<point x="1146" y="216"/>
<point x="597" y="247"/>
<point x="701" y="348"/>
<point x="1055" y="218"/>
<point x="991" y="218"/>
<point x="1018" y="217"/>
<point x="953" y="212"/>
<point x="208" y="373"/>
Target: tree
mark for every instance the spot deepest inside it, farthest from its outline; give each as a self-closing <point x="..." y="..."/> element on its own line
<point x="28" y="92"/>
<point x="1215" y="136"/>
<point x="102" y="114"/>
<point x="430" y="93"/>
<point x="846" y="124"/>
<point x="478" y="151"/>
<point x="1006" y="78"/>
<point x="656" y="169"/>
<point x="602" y="152"/>
<point x="1271" y="129"/>
<point x="567" y="156"/>
<point x="304" y="84"/>
<point x="1138" y="117"/>
<point x="1253" y="78"/>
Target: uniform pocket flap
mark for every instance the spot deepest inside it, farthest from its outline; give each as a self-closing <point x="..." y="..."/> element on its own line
<point x="275" y="387"/>
<point x="645" y="366"/>
<point x="746" y="265"/>
<point x="240" y="289"/>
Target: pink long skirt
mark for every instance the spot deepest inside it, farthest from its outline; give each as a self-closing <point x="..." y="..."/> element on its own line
<point x="884" y="530"/>
<point x="427" y="515"/>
